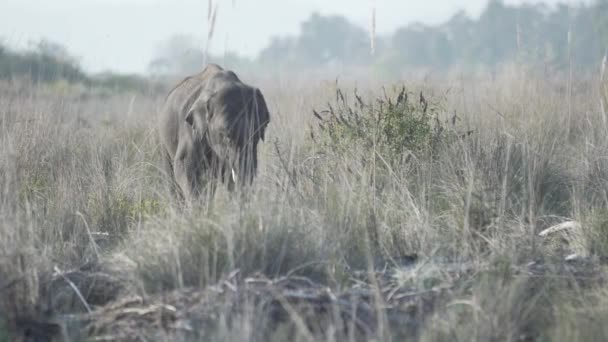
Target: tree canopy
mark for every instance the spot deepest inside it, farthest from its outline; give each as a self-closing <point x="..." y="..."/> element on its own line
<point x="532" y="33"/>
<point x="558" y="36"/>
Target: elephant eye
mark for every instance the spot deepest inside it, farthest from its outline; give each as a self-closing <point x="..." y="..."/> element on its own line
<point x="190" y="118"/>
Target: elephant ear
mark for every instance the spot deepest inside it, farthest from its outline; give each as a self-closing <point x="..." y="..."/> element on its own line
<point x="261" y="112"/>
<point x="194" y="101"/>
<point x="188" y="105"/>
<point x="207" y="98"/>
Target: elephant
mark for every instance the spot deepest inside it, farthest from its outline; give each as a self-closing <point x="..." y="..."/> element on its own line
<point x="210" y="127"/>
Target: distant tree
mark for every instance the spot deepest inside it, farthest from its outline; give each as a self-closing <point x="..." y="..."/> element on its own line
<point x="536" y="33"/>
<point x="496" y="38"/>
<point x="601" y="22"/>
<point x="322" y="40"/>
<point x="460" y="32"/>
<point x="586" y="41"/>
<point x="54" y="50"/>
<point x="182" y="55"/>
<point x="47" y="62"/>
<point x="421" y="45"/>
<point x="281" y="50"/>
<point x="178" y="55"/>
<point x="44" y="62"/>
<point x="559" y="36"/>
<point x="332" y="38"/>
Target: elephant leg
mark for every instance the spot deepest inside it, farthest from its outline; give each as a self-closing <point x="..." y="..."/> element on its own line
<point x="187" y="176"/>
<point x="169" y="174"/>
<point x="181" y="178"/>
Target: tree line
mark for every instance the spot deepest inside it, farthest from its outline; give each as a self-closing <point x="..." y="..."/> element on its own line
<point x="47" y="62"/>
<point x="555" y="35"/>
<point x="558" y="36"/>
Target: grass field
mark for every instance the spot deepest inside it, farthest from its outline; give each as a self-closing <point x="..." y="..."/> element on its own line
<point x="346" y="235"/>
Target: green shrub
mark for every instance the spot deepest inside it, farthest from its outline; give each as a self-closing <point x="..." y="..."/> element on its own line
<point x="50" y="63"/>
<point x="392" y="128"/>
<point x="113" y="211"/>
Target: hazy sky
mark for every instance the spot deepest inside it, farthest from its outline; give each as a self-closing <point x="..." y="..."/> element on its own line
<point x="124" y="35"/>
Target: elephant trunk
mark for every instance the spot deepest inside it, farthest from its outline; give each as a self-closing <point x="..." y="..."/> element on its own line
<point x="241" y="169"/>
<point x="246" y="168"/>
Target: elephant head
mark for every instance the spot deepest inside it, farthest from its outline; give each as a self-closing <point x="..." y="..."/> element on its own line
<point x="229" y="122"/>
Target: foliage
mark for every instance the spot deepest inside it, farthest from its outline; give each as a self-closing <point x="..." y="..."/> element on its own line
<point x="121" y="83"/>
<point x="322" y="40"/>
<point x="535" y="33"/>
<point x="182" y="55"/>
<point x="50" y="63"/>
<point x="394" y="128"/>
<point x="45" y="63"/>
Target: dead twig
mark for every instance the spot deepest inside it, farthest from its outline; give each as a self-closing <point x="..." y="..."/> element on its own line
<point x="59" y="273"/>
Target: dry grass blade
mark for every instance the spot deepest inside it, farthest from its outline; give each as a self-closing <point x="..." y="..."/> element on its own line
<point x="604" y="90"/>
<point x="58" y="272"/>
<point x="211" y="28"/>
<point x="560" y="227"/>
<point x="211" y="18"/>
<point x="314" y="112"/>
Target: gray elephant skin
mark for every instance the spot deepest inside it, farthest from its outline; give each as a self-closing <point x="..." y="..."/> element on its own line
<point x="210" y="127"/>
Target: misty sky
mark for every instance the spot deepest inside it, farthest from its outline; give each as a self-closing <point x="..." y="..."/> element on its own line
<point x="124" y="35"/>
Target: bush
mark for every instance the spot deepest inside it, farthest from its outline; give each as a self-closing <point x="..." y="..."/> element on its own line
<point x="378" y="149"/>
<point x="47" y="63"/>
<point x="395" y="127"/>
<point x="120" y="83"/>
<point x="51" y="63"/>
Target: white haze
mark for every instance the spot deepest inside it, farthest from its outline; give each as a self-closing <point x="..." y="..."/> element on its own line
<point x="124" y="35"/>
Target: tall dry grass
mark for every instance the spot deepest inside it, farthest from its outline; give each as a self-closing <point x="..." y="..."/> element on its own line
<point x="82" y="193"/>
